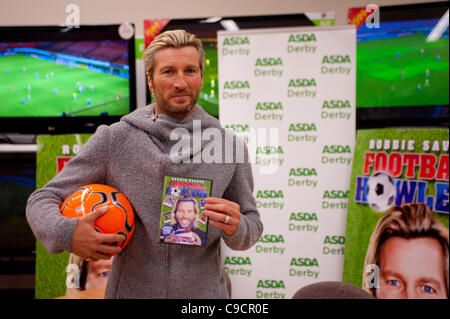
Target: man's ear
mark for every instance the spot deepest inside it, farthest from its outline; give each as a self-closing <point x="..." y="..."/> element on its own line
<point x="149" y="81"/>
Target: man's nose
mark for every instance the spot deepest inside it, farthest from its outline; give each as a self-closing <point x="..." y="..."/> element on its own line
<point x="410" y="293"/>
<point x="180" y="81"/>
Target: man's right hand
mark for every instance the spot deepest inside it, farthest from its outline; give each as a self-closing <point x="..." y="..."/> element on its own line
<point x="90" y="244"/>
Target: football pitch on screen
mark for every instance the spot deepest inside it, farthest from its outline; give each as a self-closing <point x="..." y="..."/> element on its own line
<point x="402" y="71"/>
<point x="33" y="87"/>
<point x="209" y="98"/>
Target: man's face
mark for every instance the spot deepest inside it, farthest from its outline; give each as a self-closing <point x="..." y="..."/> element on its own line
<point x="185" y="213"/>
<point x="411" y="269"/>
<point x="176" y="81"/>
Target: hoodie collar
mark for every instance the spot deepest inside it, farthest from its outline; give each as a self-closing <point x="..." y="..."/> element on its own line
<point x="160" y="127"/>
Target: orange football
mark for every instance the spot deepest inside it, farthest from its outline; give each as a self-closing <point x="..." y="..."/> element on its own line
<point x="119" y="219"/>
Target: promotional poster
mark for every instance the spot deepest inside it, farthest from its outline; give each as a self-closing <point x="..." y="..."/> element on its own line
<point x="53" y="153"/>
<point x="397" y="220"/>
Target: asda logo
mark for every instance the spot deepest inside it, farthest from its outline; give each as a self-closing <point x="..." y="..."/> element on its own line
<point x="236" y="85"/>
<point x="269" y="106"/>
<point x="300" y="171"/>
<point x="302" y="83"/>
<point x="268" y="62"/>
<point x="302" y="127"/>
<point x="332" y="59"/>
<point x="272" y="239"/>
<point x="334" y="240"/>
<point x="300" y="217"/>
<point x="269" y="194"/>
<point x="335" y="194"/>
<point x="240" y="128"/>
<point x="269" y="150"/>
<point x="336" y="104"/>
<point x="273" y="284"/>
<point x="304" y="262"/>
<point x="302" y="37"/>
<point x="236" y="41"/>
<point x="336" y="149"/>
<point x="237" y="261"/>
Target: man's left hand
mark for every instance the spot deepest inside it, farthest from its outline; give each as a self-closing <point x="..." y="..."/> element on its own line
<point x="223" y="214"/>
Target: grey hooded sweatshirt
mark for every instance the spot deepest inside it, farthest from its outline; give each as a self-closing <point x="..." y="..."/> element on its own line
<point x="133" y="155"/>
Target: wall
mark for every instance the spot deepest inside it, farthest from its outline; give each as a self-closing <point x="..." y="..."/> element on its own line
<point x="52" y="12"/>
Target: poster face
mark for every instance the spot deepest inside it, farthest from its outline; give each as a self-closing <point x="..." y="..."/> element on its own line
<point x="290" y="94"/>
<point x="397" y="221"/>
<point x="183" y="203"/>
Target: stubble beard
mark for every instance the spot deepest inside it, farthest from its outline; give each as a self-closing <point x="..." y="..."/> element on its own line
<point x="173" y="110"/>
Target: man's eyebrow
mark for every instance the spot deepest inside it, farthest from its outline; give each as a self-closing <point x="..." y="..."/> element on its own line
<point x="388" y="272"/>
<point x="171" y="65"/>
<point x="193" y="66"/>
<point x="421" y="279"/>
<point x="424" y="280"/>
<point x="166" y="66"/>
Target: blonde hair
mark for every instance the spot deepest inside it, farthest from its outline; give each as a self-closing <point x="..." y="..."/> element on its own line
<point x="172" y="39"/>
<point x="185" y="198"/>
<point x="407" y="221"/>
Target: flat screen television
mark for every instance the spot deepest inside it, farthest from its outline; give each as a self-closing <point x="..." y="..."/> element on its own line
<point x="403" y="67"/>
<point x="206" y="30"/>
<point x="64" y="80"/>
<point x="17" y="242"/>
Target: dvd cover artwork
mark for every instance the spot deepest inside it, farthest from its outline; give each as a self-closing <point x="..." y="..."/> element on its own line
<point x="183" y="203"/>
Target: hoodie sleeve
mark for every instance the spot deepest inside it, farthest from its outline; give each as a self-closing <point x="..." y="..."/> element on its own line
<point x="54" y="231"/>
<point x="240" y="190"/>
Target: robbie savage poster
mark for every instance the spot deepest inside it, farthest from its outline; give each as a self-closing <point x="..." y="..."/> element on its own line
<point x="398" y="201"/>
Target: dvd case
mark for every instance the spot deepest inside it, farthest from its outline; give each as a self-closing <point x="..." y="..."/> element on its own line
<point x="183" y="203"/>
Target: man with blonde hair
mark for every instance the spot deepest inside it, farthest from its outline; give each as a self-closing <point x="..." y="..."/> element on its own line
<point x="174" y="45"/>
<point x="174" y="38"/>
<point x="410" y="248"/>
<point x="134" y="155"/>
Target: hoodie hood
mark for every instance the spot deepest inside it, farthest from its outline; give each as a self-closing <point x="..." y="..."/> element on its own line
<point x="169" y="134"/>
